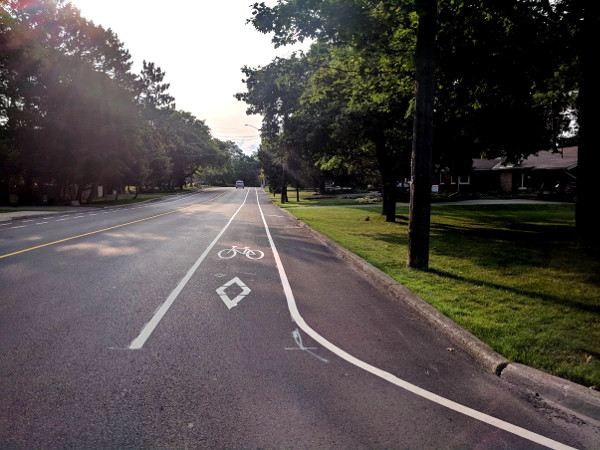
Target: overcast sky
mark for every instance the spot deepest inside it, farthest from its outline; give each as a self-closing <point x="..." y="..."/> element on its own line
<point x="201" y="45"/>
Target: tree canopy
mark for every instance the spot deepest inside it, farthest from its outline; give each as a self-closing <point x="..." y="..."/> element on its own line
<point x="74" y="116"/>
<point x="506" y="82"/>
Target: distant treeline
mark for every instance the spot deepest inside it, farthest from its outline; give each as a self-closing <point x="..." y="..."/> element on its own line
<point x="73" y="115"/>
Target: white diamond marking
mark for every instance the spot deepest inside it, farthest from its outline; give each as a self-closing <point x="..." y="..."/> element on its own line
<point x="230" y="303"/>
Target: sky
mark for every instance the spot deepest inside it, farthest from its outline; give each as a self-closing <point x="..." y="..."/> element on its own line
<point x="201" y="45"/>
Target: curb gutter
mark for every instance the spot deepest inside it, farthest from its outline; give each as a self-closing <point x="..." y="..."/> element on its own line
<point x="571" y="397"/>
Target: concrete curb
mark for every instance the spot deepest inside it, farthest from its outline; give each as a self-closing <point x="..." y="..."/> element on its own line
<point x="574" y="397"/>
<point x="569" y="396"/>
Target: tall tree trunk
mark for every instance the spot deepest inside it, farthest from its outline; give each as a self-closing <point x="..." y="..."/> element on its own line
<point x="420" y="193"/>
<point x="284" y="196"/>
<point x="322" y="184"/>
<point x="389" y="199"/>
<point x="93" y="190"/>
<point x="589" y="117"/>
<point x="388" y="177"/>
<point x="384" y="197"/>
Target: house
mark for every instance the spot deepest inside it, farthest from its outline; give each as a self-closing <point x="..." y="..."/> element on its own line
<point x="545" y="173"/>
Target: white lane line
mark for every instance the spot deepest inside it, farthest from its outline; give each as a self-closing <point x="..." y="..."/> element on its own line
<point x="20" y="226"/>
<point x="139" y="341"/>
<point x="485" y="418"/>
<point x="40" y="223"/>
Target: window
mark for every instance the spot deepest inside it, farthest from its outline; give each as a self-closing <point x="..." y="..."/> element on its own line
<point x="462" y="179"/>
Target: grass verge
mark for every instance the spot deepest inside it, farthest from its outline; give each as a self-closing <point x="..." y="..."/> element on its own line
<point x="509" y="274"/>
<point x="110" y="200"/>
<point x="126" y="199"/>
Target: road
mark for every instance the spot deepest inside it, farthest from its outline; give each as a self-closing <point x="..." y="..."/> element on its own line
<point x="140" y="327"/>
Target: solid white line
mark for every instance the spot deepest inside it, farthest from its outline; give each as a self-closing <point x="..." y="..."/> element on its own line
<point x="297" y="318"/>
<point x="139" y="341"/>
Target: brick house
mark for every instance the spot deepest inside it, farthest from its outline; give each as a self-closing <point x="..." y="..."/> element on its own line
<point x="540" y="174"/>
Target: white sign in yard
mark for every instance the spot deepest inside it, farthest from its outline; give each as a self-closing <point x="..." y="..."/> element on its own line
<point x="230" y="303"/>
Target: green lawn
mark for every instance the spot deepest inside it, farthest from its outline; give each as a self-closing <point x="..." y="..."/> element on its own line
<point x="509" y="274"/>
<point x="311" y="198"/>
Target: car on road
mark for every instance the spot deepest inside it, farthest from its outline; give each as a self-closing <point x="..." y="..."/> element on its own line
<point x="239" y="184"/>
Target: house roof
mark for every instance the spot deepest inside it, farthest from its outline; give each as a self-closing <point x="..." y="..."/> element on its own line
<point x="485" y="164"/>
<point x="566" y="159"/>
<point x="547" y="160"/>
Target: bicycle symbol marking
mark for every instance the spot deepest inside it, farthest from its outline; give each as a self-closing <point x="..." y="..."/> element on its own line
<point x="228" y="253"/>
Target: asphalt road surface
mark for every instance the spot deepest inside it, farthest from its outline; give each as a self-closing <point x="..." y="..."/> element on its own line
<point x="213" y="320"/>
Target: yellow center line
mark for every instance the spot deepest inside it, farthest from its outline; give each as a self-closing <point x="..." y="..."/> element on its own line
<point x="108" y="229"/>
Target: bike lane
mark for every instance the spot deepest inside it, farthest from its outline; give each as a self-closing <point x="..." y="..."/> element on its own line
<point x="249" y="367"/>
<point x="343" y="312"/>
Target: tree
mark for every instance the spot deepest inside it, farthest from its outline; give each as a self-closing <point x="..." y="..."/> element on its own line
<point x="362" y="99"/>
<point x="156" y="106"/>
<point x="372" y="45"/>
<point x="589" y="117"/>
<point x="420" y="201"/>
<point x="152" y="91"/>
<point x="528" y="62"/>
<point x="73" y="115"/>
<point x="357" y="92"/>
<point x="505" y="78"/>
<point x="66" y="96"/>
<point x="189" y="145"/>
<point x="274" y="91"/>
